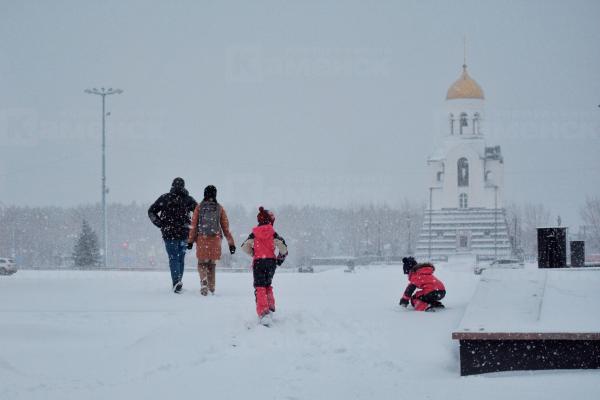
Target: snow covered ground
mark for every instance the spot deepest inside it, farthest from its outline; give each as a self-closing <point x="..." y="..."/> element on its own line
<point x="111" y="335"/>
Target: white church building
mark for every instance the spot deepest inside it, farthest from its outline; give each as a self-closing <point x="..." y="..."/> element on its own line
<point x="465" y="212"/>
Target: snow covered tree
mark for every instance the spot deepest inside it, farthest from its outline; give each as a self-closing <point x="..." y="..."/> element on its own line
<point x="86" y="252"/>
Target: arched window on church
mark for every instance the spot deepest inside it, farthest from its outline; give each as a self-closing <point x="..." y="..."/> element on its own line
<point x="463" y="122"/>
<point x="476" y="119"/>
<point x="451" y="124"/>
<point x="463" y="201"/>
<point x="463" y="172"/>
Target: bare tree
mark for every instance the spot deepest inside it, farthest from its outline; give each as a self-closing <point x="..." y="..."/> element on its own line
<point x="590" y="214"/>
<point x="514" y="219"/>
<point x="534" y="216"/>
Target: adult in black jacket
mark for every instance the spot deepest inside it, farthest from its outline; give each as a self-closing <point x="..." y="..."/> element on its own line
<point x="171" y="213"/>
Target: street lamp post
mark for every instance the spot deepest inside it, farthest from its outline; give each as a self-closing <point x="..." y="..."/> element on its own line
<point x="409" y="248"/>
<point x="103" y="93"/>
<point x="430" y="215"/>
<point x="495" y="222"/>
<point x="379" y="247"/>
<point x="367" y="236"/>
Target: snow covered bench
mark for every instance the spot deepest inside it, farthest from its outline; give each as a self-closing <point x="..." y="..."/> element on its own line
<point x="531" y="320"/>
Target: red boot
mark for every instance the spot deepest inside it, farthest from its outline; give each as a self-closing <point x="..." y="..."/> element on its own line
<point x="270" y="298"/>
<point x="419" y="305"/>
<point x="262" y="304"/>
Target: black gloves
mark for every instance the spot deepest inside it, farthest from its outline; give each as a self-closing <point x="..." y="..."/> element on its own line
<point x="404" y="302"/>
<point x="280" y="259"/>
<point x="232" y="249"/>
<point x="190" y="245"/>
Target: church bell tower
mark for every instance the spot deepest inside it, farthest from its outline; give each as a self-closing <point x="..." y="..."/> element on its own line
<point x="465" y="213"/>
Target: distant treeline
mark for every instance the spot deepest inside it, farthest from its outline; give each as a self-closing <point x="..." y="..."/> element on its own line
<point x="45" y="236"/>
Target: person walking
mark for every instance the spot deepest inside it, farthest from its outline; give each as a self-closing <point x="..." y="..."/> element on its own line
<point x="171" y="213"/>
<point x="209" y="224"/>
<point x="261" y="245"/>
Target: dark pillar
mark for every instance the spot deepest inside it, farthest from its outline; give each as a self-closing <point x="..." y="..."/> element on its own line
<point x="552" y="247"/>
<point x="578" y="253"/>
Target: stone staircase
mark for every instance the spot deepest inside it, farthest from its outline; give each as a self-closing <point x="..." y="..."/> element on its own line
<point x="469" y="231"/>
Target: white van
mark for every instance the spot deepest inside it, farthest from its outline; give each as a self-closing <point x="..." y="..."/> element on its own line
<point x="7" y="266"/>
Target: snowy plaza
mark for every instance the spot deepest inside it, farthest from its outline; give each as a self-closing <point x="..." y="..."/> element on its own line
<point x="336" y="335"/>
<point x="299" y="200"/>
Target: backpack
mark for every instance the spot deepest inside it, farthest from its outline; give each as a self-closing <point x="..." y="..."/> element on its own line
<point x="209" y="218"/>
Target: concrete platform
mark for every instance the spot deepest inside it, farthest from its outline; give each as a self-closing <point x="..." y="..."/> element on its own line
<point x="531" y="320"/>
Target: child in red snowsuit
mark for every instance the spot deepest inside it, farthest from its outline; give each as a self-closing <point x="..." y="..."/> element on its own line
<point x="431" y="289"/>
<point x="261" y="246"/>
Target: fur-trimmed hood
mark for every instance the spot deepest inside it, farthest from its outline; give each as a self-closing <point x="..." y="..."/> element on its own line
<point x="423" y="265"/>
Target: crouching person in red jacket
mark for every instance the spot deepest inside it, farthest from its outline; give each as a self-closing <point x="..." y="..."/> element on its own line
<point x="261" y="246"/>
<point x="431" y="289"/>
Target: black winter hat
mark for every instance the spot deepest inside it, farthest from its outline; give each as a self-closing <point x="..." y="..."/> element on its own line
<point x="265" y="216"/>
<point x="178" y="183"/>
<point x="408" y="263"/>
<point x="210" y="192"/>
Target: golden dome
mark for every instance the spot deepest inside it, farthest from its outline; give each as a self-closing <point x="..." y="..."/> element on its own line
<point x="465" y="88"/>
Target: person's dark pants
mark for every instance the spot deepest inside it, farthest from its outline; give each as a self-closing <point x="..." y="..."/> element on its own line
<point x="263" y="271"/>
<point x="176" y="251"/>
<point x="422" y="301"/>
<point x="433" y="297"/>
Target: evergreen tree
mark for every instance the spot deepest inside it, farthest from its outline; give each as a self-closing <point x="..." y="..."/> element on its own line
<point x="86" y="252"/>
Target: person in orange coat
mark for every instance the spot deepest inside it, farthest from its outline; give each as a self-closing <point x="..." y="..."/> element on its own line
<point x="431" y="289"/>
<point x="209" y="224"/>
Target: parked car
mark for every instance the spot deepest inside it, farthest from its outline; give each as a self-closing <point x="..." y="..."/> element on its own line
<point x="503" y="263"/>
<point x="7" y="266"/>
<point x="305" y="268"/>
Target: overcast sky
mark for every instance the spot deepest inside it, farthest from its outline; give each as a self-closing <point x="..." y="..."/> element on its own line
<point x="304" y="102"/>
